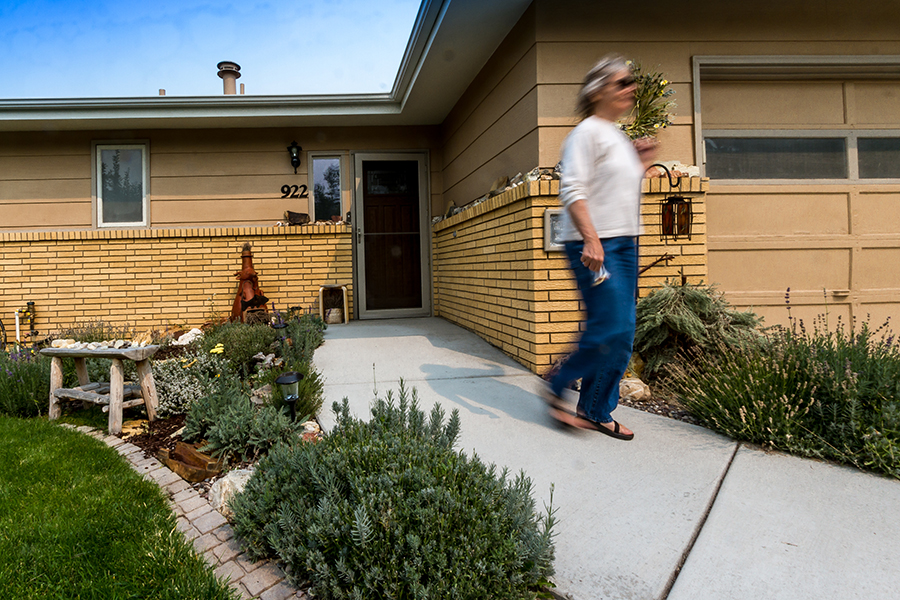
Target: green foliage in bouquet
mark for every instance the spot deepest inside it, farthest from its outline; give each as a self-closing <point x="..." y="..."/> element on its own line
<point x="653" y="105"/>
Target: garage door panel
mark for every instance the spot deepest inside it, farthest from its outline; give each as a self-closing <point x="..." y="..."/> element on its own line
<point x="775" y="214"/>
<point x="877" y="103"/>
<point x="777" y="270"/>
<point x="878" y="313"/>
<point x="808" y="313"/>
<point x="877" y="213"/>
<point x="877" y="269"/>
<point x="761" y="103"/>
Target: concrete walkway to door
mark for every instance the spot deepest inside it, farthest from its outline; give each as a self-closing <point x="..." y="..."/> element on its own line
<point x="679" y="512"/>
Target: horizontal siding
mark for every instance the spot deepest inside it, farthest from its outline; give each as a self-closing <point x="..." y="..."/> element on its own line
<point x="484" y="137"/>
<point x="197" y="177"/>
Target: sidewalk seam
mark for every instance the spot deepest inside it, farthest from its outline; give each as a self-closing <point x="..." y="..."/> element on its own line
<point x="697" y="530"/>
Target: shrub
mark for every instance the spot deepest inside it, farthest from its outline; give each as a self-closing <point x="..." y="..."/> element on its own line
<point x="688" y="318"/>
<point x="826" y="394"/>
<point x="24" y="383"/>
<point x="232" y="426"/>
<point x="97" y="331"/>
<point x="241" y="342"/>
<point x="310" y="390"/>
<point x="306" y="334"/>
<point x="387" y="509"/>
<point x="180" y="381"/>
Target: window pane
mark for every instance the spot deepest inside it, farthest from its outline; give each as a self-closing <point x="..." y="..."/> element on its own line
<point x="122" y="185"/>
<point x="879" y="158"/>
<point x="392" y="177"/>
<point x="776" y="158"/>
<point x="327" y="188"/>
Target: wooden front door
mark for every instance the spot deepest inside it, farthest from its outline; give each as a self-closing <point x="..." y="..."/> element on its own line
<point x="390" y="239"/>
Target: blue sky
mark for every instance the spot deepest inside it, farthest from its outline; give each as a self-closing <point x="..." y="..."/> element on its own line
<point x="127" y="48"/>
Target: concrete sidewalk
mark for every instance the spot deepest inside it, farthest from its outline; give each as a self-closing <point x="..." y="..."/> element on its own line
<point x="679" y="512"/>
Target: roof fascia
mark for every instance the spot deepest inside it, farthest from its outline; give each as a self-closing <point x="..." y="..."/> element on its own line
<point x="16" y="114"/>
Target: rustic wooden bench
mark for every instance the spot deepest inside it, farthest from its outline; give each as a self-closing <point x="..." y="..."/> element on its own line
<point x="113" y="396"/>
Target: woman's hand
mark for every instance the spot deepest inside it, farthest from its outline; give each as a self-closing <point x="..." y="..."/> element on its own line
<point x="592" y="255"/>
<point x="646" y="148"/>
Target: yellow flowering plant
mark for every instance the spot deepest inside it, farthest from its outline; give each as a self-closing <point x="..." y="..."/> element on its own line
<point x="653" y="105"/>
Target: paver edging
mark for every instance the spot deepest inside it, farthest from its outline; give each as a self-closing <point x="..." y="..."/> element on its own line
<point x="207" y="529"/>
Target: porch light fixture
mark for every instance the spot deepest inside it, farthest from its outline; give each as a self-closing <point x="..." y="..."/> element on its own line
<point x="294" y="150"/>
<point x="676" y="214"/>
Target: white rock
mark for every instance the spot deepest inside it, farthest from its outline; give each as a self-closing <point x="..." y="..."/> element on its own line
<point x="119" y="344"/>
<point x="261" y="395"/>
<point x="311" y="427"/>
<point x="93" y="346"/>
<point x="633" y="389"/>
<point x="223" y="489"/>
<point x="188" y="337"/>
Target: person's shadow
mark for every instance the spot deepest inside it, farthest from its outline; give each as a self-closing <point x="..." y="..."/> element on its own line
<point x="492" y="392"/>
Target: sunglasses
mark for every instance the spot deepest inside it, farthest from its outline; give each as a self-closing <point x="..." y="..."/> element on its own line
<point x="625" y="83"/>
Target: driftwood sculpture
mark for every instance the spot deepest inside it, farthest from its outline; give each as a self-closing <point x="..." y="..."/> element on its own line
<point x="249" y="296"/>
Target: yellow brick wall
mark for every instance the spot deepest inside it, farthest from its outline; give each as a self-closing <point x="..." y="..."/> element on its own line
<point x="167" y="277"/>
<point x="493" y="277"/>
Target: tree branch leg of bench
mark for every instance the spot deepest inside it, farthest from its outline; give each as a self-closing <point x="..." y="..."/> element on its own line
<point x="116" y="385"/>
<point x="56" y="381"/>
<point x="83" y="379"/>
<point x="148" y="388"/>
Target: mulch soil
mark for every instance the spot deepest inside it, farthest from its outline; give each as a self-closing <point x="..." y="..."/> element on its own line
<point x="158" y="436"/>
<point x="665" y="407"/>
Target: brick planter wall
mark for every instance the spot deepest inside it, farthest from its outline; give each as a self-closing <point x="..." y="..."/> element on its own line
<point x="159" y="278"/>
<point x="493" y="276"/>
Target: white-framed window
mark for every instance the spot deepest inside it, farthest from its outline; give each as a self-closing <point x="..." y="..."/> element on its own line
<point x="326" y="177"/>
<point x="795" y="119"/>
<point x="121" y="184"/>
<point x="837" y="155"/>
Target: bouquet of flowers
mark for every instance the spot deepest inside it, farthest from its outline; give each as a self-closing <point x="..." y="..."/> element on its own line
<point x="653" y="106"/>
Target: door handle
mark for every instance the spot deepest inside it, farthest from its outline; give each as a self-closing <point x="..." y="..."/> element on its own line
<point x="359" y="235"/>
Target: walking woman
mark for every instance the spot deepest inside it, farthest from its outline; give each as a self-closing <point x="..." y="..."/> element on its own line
<point x="600" y="190"/>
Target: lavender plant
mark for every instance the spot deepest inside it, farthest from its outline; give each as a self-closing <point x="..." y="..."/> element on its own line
<point x="831" y="393"/>
<point x="24" y="383"/>
<point x="387" y="509"/>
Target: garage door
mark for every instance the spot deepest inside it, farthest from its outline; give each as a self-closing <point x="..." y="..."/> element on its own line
<point x="804" y="194"/>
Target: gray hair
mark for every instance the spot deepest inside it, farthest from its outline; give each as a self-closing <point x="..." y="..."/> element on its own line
<point x="595" y="80"/>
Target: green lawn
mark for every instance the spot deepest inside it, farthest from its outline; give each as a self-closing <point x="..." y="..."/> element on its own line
<point x="77" y="522"/>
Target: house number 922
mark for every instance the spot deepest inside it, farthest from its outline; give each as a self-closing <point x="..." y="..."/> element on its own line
<point x="294" y="191"/>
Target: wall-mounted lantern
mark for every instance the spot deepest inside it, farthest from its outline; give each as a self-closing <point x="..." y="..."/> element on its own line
<point x="294" y="150"/>
<point x="676" y="214"/>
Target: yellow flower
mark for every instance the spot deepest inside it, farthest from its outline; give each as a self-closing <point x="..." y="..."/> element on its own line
<point x="664" y="82"/>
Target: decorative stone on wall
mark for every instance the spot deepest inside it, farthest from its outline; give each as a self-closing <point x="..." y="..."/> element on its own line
<point x="160" y="278"/>
<point x="493" y="276"/>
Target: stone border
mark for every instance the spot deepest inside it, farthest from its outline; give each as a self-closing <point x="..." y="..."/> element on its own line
<point x="205" y="527"/>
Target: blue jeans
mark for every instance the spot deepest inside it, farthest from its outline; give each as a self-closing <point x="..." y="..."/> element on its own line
<point x="606" y="344"/>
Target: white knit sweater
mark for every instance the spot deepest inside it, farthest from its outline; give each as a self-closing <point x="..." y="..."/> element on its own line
<point x="601" y="166"/>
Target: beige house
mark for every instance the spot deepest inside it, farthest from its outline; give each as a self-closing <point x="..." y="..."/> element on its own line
<point x="135" y="209"/>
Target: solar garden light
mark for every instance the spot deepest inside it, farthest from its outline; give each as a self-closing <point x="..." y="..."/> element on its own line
<point x="289" y="383"/>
